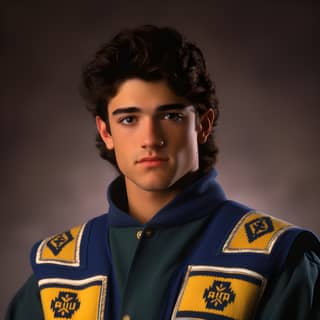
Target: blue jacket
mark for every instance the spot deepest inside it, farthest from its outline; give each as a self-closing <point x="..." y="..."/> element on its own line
<point x="223" y="277"/>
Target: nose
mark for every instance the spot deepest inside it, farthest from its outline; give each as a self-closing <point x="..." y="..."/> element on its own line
<point x="152" y="134"/>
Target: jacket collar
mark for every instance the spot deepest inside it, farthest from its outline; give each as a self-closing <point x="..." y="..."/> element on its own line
<point x="197" y="200"/>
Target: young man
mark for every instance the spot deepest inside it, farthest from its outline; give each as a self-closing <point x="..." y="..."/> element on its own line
<point x="171" y="246"/>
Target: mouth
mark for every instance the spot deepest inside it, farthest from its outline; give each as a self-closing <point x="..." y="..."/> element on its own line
<point x="152" y="161"/>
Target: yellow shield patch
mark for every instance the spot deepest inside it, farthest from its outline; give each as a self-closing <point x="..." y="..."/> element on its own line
<point x="63" y="249"/>
<point x="211" y="292"/>
<point x="255" y="232"/>
<point x="73" y="299"/>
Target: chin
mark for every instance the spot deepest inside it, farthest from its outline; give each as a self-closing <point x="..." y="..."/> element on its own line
<point x="169" y="183"/>
<point x="155" y="186"/>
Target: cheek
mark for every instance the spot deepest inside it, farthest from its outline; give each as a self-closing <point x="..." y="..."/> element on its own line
<point x="185" y="143"/>
<point x="121" y="150"/>
<point x="186" y="136"/>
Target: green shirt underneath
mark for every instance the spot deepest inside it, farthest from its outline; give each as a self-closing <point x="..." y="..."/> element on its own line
<point x="144" y="266"/>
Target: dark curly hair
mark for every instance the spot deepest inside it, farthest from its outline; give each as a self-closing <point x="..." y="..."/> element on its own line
<point x="150" y="53"/>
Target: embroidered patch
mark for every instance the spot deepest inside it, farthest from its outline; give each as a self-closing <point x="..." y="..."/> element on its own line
<point x="65" y="305"/>
<point x="62" y="249"/>
<point x="73" y="299"/>
<point x="211" y="292"/>
<point x="219" y="295"/>
<point x="255" y="232"/>
<point x="57" y="243"/>
<point x="258" y="228"/>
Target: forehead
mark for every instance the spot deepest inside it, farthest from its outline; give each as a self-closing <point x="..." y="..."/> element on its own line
<point x="144" y="94"/>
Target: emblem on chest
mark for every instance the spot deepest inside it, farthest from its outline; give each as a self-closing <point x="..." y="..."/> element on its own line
<point x="211" y="292"/>
<point x="218" y="295"/>
<point x="65" y="305"/>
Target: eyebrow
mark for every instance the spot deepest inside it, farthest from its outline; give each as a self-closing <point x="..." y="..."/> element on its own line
<point x="162" y="108"/>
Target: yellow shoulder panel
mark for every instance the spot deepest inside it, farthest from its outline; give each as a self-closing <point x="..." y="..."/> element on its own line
<point x="255" y="232"/>
<point x="63" y="249"/>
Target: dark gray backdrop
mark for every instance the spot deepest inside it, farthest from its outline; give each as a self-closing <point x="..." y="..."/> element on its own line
<point x="262" y="56"/>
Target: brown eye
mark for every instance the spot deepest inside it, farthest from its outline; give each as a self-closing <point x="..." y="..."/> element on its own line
<point x="175" y="116"/>
<point x="127" y="120"/>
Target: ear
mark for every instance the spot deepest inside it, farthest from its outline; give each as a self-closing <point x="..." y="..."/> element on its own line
<point x="104" y="134"/>
<point x="205" y="126"/>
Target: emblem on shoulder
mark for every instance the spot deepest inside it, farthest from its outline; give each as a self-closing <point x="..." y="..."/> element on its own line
<point x="65" y="305"/>
<point x="62" y="249"/>
<point x="219" y="295"/>
<point x="57" y="243"/>
<point x="255" y="232"/>
<point x="258" y="228"/>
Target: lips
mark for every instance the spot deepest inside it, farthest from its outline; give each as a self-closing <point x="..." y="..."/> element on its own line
<point x="152" y="159"/>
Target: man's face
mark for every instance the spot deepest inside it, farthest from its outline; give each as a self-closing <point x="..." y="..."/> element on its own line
<point x="153" y="133"/>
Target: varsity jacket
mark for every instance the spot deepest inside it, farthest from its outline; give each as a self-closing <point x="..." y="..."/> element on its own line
<point x="223" y="277"/>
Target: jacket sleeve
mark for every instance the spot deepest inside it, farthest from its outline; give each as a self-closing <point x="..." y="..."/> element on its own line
<point x="26" y="304"/>
<point x="295" y="294"/>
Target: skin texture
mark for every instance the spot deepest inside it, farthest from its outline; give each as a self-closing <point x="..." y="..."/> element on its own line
<point x="139" y="128"/>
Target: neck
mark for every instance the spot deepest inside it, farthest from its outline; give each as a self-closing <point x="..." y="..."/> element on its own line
<point x="143" y="205"/>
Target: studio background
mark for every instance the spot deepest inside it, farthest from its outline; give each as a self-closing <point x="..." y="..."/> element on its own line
<point x="262" y="56"/>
